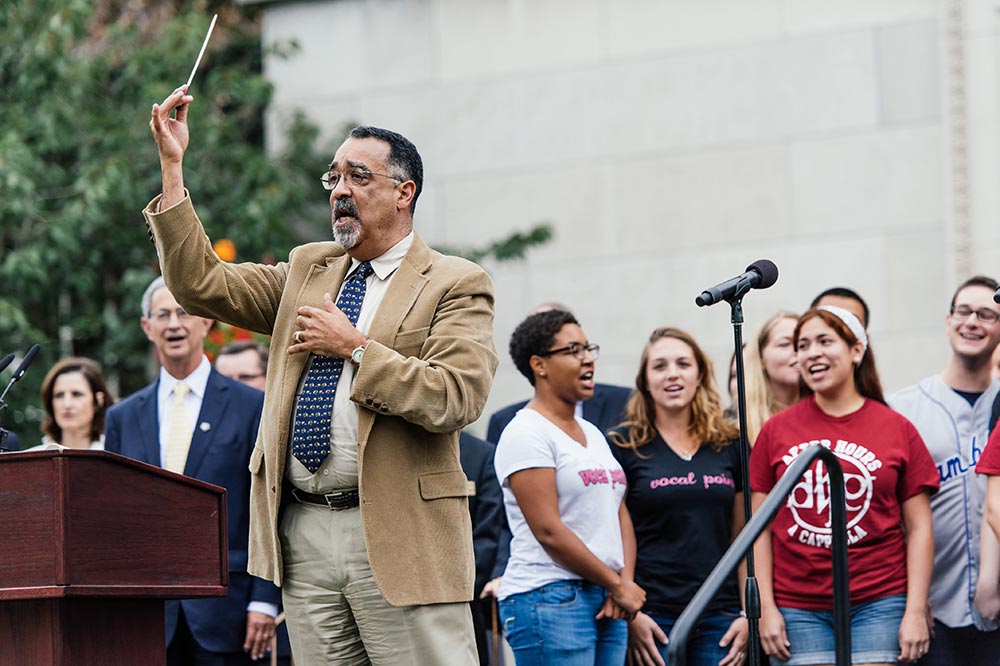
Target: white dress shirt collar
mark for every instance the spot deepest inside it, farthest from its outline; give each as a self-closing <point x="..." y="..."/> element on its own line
<point x="197" y="381"/>
<point x="390" y="260"/>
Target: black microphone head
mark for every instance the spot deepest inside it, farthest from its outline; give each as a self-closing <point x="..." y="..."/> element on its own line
<point x="767" y="270"/>
<point x="6" y="361"/>
<point x="28" y="358"/>
<point x="996" y="296"/>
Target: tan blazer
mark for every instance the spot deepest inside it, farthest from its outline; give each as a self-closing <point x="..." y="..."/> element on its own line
<point x="426" y="373"/>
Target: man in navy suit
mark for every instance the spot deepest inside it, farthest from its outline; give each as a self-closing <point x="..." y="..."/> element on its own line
<point x="195" y="421"/>
<point x="486" y="511"/>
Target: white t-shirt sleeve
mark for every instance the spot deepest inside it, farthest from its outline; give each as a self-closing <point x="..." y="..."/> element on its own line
<point x="523" y="444"/>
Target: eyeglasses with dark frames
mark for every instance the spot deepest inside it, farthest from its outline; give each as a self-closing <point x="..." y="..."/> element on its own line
<point x="984" y="315"/>
<point x="577" y="350"/>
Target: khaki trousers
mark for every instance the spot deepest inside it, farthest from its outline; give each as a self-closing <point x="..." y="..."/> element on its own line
<point x="335" y="613"/>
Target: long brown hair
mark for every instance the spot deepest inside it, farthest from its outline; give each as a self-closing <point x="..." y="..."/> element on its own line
<point x="91" y="371"/>
<point x="866" y="379"/>
<point x="707" y="422"/>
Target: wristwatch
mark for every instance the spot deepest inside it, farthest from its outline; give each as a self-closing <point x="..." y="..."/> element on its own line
<point x="358" y="353"/>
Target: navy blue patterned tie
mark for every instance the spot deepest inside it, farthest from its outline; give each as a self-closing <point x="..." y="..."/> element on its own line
<point x="314" y="409"/>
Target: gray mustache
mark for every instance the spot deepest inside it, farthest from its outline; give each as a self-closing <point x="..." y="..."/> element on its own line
<point x="342" y="207"/>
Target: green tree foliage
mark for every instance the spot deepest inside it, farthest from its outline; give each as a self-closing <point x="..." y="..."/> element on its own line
<point x="78" y="164"/>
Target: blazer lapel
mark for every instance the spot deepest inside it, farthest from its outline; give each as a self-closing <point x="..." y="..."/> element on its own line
<point x="407" y="283"/>
<point x="402" y="293"/>
<point x="147" y="415"/>
<point x="213" y="405"/>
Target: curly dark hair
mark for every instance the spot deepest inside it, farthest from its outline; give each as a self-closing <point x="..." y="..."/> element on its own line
<point x="534" y="336"/>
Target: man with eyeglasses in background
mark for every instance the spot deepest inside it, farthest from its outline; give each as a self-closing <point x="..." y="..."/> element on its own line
<point x="952" y="412"/>
<point x="381" y="351"/>
<point x="194" y="421"/>
<point x="245" y="361"/>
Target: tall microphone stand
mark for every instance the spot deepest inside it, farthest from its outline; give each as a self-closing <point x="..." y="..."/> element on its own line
<point x="751" y="593"/>
<point x="761" y="274"/>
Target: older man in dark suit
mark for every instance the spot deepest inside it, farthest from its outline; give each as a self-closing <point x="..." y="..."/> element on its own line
<point x="194" y="421"/>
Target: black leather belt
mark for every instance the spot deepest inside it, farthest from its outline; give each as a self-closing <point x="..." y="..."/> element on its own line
<point x="337" y="501"/>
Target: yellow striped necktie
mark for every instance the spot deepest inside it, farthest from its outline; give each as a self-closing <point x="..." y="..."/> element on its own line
<point x="181" y="428"/>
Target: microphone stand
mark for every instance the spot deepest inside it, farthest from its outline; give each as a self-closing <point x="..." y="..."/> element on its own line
<point x="4" y="433"/>
<point x="25" y="362"/>
<point x="751" y="593"/>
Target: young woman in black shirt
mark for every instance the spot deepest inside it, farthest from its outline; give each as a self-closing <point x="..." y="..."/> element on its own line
<point x="685" y="497"/>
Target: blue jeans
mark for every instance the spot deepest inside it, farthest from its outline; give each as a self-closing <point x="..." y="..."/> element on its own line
<point x="874" y="633"/>
<point x="554" y="625"/>
<point x="703" y="647"/>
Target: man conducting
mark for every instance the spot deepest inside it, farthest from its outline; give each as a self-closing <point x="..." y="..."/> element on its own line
<point x="381" y="351"/>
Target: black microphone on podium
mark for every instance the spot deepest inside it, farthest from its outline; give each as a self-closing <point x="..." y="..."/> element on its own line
<point x="21" y="369"/>
<point x="761" y="274"/>
<point x="996" y="296"/>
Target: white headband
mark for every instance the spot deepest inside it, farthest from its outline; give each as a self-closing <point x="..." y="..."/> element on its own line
<point x="852" y="322"/>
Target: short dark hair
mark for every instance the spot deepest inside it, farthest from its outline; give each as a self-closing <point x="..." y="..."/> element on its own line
<point x="975" y="281"/>
<point x="534" y="336"/>
<point x="844" y="292"/>
<point x="241" y="346"/>
<point x="403" y="156"/>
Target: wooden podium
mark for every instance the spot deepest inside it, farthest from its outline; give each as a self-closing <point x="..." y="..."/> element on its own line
<point x="91" y="543"/>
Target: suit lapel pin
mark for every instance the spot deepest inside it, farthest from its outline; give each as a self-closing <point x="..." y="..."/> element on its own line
<point x="204" y="426"/>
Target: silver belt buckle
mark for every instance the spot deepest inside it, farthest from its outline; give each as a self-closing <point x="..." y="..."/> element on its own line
<point x="332" y="497"/>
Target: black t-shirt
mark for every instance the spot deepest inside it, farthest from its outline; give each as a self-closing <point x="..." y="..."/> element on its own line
<point x="682" y="512"/>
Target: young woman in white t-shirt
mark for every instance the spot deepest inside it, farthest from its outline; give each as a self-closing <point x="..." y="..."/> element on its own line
<point x="568" y="587"/>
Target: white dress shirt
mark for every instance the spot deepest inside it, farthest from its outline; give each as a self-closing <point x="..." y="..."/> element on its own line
<point x="197" y="381"/>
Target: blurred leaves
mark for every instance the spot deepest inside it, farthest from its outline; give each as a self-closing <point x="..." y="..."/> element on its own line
<point x="513" y="247"/>
<point x="78" y="164"/>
